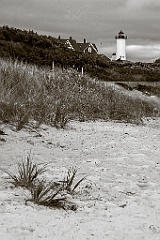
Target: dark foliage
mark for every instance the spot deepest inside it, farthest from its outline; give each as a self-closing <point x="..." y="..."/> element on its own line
<point x="157" y="60"/>
<point x="28" y="46"/>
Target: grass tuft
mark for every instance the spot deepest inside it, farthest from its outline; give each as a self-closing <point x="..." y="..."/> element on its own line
<point x="27" y="173"/>
<point x="43" y="194"/>
<point x="53" y="194"/>
<point x="68" y="182"/>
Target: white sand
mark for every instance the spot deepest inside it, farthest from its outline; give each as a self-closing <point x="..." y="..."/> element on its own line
<point x="120" y="198"/>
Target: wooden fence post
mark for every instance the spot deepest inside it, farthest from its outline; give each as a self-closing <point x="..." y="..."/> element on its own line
<point x="52" y="69"/>
<point x="82" y="71"/>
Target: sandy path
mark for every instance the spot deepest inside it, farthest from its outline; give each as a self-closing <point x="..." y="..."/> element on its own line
<point x="120" y="198"/>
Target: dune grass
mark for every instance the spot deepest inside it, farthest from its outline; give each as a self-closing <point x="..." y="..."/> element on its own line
<point x="49" y="194"/>
<point x="69" y="184"/>
<point x="27" y="173"/>
<point x="30" y="93"/>
<point x="43" y="194"/>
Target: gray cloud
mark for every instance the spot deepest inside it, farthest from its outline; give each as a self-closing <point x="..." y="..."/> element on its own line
<point x="97" y="20"/>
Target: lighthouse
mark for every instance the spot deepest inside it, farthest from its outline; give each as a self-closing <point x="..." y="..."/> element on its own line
<point x="121" y="46"/>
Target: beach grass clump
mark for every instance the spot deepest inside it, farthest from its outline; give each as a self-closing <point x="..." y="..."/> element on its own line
<point x="69" y="184"/>
<point x="27" y="173"/>
<point x="43" y="194"/>
<point x="54" y="194"/>
<point x="49" y="194"/>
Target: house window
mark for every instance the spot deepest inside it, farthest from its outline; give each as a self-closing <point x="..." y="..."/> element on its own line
<point x="89" y="49"/>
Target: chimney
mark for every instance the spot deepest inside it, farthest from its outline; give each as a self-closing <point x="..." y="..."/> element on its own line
<point x="59" y="37"/>
<point x="85" y="40"/>
<point x="70" y="38"/>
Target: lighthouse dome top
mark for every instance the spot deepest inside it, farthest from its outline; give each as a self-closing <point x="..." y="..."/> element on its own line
<point x="121" y="35"/>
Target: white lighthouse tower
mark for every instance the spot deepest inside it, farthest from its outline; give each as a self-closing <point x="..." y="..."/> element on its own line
<point x="121" y="46"/>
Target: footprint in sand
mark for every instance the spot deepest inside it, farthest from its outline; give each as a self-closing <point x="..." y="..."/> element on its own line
<point x="154" y="229"/>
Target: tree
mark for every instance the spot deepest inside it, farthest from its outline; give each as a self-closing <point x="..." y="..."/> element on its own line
<point x="157" y="60"/>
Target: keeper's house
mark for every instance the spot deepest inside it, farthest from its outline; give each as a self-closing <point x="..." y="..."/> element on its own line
<point x="85" y="47"/>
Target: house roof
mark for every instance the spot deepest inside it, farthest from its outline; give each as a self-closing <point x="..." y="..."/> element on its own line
<point x="84" y="46"/>
<point x="94" y="45"/>
<point x="74" y="44"/>
<point x="68" y="43"/>
<point x="80" y="47"/>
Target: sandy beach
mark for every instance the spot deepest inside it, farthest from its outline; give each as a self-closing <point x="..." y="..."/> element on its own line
<point x="118" y="200"/>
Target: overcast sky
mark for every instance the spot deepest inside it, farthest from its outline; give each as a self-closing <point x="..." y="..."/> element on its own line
<point x="96" y="20"/>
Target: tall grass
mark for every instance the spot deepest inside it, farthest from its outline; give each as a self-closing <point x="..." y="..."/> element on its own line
<point x="28" y="93"/>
